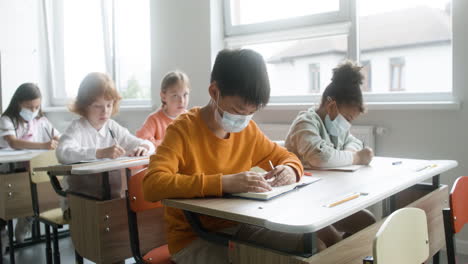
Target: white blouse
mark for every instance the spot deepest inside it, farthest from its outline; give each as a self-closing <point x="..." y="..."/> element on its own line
<point x="81" y="140"/>
<point x="40" y="129"/>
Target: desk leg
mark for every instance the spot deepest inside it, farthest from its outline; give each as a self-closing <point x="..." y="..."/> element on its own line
<point x="310" y="244"/>
<point x="106" y="192"/>
<point x="10" y="240"/>
<point x="435" y="185"/>
<point x="436" y="181"/>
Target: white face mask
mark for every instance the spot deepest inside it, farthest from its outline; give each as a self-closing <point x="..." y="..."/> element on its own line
<point x="28" y="115"/>
<point x="230" y="122"/>
<point x="337" y="127"/>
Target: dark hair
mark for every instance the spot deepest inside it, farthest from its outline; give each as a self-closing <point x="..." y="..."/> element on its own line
<point x="25" y="92"/>
<point x="172" y="78"/>
<point x="243" y="73"/>
<point x="345" y="86"/>
<point x="94" y="85"/>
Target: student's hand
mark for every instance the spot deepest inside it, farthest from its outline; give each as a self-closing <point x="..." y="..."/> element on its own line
<point x="112" y="152"/>
<point x="139" y="151"/>
<point x="51" y="144"/>
<point x="56" y="138"/>
<point x="363" y="157"/>
<point x="247" y="181"/>
<point x="282" y="174"/>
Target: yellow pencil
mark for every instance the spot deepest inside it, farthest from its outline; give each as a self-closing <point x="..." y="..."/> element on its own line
<point x="347" y="198"/>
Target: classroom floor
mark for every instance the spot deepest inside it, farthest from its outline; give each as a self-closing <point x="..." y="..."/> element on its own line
<point x="36" y="255"/>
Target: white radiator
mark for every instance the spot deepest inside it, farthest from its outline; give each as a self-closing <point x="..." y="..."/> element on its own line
<point x="278" y="132"/>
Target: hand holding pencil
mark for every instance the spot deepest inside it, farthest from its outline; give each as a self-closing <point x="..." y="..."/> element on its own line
<point x="281" y="175"/>
<point x="111" y="152"/>
<point x="53" y="143"/>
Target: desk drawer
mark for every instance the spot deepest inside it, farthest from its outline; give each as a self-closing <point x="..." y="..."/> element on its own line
<point x="15" y="191"/>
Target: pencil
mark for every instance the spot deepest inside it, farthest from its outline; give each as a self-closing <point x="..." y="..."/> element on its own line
<point x="271" y="165"/>
<point x="113" y="136"/>
<point x="347" y="198"/>
<point x="48" y="134"/>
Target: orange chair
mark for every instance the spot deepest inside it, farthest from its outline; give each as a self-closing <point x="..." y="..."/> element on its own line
<point x="137" y="204"/>
<point x="456" y="216"/>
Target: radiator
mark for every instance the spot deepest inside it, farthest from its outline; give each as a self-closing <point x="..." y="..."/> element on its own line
<point x="278" y="132"/>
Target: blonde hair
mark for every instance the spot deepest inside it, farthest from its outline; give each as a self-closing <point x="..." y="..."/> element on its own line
<point x="95" y="85"/>
<point x="172" y="78"/>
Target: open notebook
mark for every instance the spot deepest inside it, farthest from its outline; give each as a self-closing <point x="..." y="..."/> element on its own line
<point x="277" y="191"/>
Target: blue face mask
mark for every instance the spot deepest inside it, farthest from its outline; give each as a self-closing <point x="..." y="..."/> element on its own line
<point x="337" y="127"/>
<point x="27" y="114"/>
<point x="230" y="122"/>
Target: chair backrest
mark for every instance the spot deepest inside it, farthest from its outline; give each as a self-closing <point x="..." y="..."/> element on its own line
<point x="135" y="194"/>
<point x="45" y="159"/>
<point x="458" y="198"/>
<point x="403" y="238"/>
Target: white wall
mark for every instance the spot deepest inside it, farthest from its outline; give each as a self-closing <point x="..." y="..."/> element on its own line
<point x="18" y="45"/>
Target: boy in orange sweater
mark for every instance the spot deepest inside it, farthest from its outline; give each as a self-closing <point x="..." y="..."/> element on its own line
<point x="209" y="151"/>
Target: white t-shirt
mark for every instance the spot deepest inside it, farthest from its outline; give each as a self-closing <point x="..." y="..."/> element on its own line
<point x="37" y="130"/>
<point x="81" y="140"/>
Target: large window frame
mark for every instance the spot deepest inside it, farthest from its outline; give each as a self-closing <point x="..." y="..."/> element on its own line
<point x="343" y="22"/>
<point x="54" y="37"/>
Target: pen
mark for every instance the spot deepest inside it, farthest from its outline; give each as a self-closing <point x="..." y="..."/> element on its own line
<point x="113" y="136"/>
<point x="347" y="198"/>
<point x="397" y="162"/>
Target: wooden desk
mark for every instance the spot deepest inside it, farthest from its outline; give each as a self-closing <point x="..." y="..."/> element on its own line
<point x="303" y="211"/>
<point x="99" y="167"/>
<point x="15" y="189"/>
<point x="99" y="229"/>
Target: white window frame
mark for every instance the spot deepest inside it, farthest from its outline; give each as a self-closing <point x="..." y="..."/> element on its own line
<point x="56" y="95"/>
<point x="343" y="22"/>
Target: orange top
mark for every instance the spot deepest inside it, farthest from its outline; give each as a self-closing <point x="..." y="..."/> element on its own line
<point x="190" y="162"/>
<point x="154" y="127"/>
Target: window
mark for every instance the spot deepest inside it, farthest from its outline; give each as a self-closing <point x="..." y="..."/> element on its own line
<point x="397" y="74"/>
<point x="112" y="37"/>
<point x="294" y="35"/>
<point x="423" y="48"/>
<point x="367" y="73"/>
<point x="314" y="78"/>
<point x="292" y="65"/>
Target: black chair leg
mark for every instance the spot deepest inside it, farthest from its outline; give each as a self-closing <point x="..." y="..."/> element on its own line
<point x="48" y="245"/>
<point x="78" y="258"/>
<point x="449" y="236"/>
<point x="1" y="246"/>
<point x="56" y="247"/>
<point x="11" y="246"/>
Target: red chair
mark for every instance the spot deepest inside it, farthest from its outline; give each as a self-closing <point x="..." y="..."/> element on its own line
<point x="456" y="216"/>
<point x="137" y="204"/>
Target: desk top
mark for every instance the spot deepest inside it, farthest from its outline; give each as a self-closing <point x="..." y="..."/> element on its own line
<point x="9" y="156"/>
<point x="304" y="210"/>
<point x="96" y="167"/>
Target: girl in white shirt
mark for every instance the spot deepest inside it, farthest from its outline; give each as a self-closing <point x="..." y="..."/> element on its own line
<point x="24" y="126"/>
<point x="96" y="136"/>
